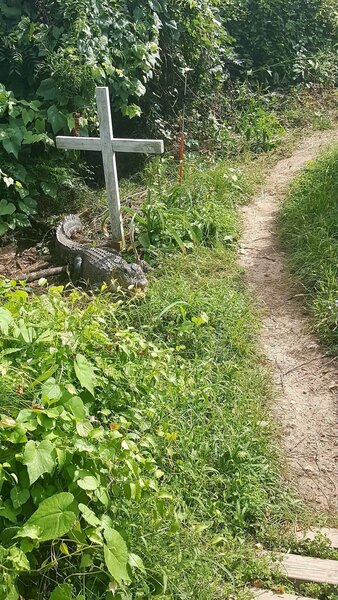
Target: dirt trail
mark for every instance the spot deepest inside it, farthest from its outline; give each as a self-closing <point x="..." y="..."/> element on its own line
<point x="306" y="380"/>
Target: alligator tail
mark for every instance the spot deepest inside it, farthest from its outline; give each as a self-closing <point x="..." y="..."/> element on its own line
<point x="65" y="246"/>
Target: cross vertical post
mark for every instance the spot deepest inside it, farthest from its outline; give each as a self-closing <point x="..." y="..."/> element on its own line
<point x="109" y="165"/>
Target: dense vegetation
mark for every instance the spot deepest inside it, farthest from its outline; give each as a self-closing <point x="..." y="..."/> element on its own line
<point x="136" y="457"/>
<point x="309" y="224"/>
<point x="52" y="55"/>
<point x="135" y="449"/>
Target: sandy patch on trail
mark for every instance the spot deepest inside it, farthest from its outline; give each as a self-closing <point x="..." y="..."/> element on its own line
<point x="306" y="403"/>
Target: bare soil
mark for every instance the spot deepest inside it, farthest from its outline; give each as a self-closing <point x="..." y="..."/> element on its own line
<point x="306" y="379"/>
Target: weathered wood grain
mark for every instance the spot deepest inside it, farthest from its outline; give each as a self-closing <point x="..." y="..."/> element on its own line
<point x="316" y="570"/>
<point x="109" y="164"/>
<point x="118" y="144"/>
<point x="64" y="142"/>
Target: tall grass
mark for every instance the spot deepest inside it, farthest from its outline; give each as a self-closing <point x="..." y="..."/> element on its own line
<point x="309" y="232"/>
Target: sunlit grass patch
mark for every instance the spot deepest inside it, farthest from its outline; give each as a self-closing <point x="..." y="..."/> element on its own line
<point x="309" y="232"/>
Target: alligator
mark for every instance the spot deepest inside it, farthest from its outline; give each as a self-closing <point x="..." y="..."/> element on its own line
<point x="96" y="265"/>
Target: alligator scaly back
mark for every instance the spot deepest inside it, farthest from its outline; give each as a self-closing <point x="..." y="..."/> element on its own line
<point x="95" y="265"/>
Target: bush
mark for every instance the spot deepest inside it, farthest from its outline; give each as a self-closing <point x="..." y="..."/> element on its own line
<point x="271" y="35"/>
<point x="76" y="447"/>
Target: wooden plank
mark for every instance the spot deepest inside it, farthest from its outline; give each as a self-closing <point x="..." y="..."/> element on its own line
<point x="138" y="146"/>
<point x="109" y="164"/>
<point x="64" y="142"/>
<point x="315" y="570"/>
<point x="331" y="534"/>
<point x="268" y="595"/>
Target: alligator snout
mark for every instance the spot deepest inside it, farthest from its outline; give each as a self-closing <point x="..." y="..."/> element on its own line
<point x="137" y="277"/>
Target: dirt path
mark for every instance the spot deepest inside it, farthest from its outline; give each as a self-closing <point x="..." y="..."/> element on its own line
<point x="306" y="380"/>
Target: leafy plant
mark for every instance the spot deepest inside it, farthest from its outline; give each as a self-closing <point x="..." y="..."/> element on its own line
<point x="64" y="470"/>
<point x="186" y="215"/>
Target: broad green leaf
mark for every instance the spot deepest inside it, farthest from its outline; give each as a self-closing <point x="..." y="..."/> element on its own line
<point x="20" y="220"/>
<point x="20" y="172"/>
<point x="88" y="482"/>
<point x="27" y="116"/>
<point x="11" y="12"/>
<point x="12" y="145"/>
<point x="86" y="561"/>
<point x="57" y="119"/>
<point x="49" y="188"/>
<point x="38" y="459"/>
<point x="30" y="531"/>
<point x="52" y="517"/>
<point x="35" y="105"/>
<point x="116" y="555"/>
<point x="89" y="516"/>
<point x="3" y="227"/>
<point x="5" y="320"/>
<point x="61" y="456"/>
<point x="94" y="535"/>
<point x="136" y="562"/>
<point x="85" y="373"/>
<point x="76" y="406"/>
<point x="70" y="121"/>
<point x="28" y="205"/>
<point x="6" y="208"/>
<point x="83" y="428"/>
<point x="19" y="496"/>
<point x="62" y="592"/>
<point x="50" y="390"/>
<point x="47" y="89"/>
<point x="27" y="333"/>
<point x="7" y="512"/>
<point x="40" y="125"/>
<point x="19" y="559"/>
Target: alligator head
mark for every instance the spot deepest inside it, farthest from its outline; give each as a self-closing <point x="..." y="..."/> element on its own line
<point x="130" y="276"/>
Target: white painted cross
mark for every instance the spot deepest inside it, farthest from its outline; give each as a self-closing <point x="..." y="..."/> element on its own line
<point x="108" y="145"/>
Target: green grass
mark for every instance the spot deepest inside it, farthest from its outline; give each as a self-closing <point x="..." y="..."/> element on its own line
<point x="309" y="233"/>
<point x="181" y="438"/>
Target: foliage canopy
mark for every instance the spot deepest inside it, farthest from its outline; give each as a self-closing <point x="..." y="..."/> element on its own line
<point x="53" y="54"/>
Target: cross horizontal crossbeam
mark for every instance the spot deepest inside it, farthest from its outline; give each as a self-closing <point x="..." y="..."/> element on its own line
<point x="117" y="144"/>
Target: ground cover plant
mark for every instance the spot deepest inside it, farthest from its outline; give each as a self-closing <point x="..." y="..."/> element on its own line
<point x="137" y="459"/>
<point x="309" y="224"/>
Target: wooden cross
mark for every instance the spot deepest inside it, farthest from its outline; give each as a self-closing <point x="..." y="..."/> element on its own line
<point x="108" y="145"/>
